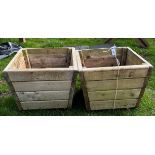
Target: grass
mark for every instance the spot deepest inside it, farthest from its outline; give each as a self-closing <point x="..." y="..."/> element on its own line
<point x="146" y="108"/>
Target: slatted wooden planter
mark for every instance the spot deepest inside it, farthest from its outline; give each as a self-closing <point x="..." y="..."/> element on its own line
<point x="107" y="86"/>
<point x="42" y="78"/>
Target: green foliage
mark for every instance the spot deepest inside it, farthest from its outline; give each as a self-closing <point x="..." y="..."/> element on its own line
<point x="53" y="43"/>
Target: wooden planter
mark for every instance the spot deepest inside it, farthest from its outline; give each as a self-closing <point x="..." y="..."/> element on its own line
<point x="107" y="86"/>
<point x="42" y="78"/>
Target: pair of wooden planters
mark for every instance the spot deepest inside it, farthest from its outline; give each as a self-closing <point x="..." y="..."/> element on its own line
<point x="44" y="78"/>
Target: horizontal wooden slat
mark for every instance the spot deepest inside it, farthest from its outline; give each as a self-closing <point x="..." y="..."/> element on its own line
<point x="111" y="84"/>
<point x="42" y="85"/>
<point x="38" y="55"/>
<point x="110" y="94"/>
<point x="101" y="62"/>
<point x="112" y="74"/>
<point x="44" y="104"/>
<point x="48" y="50"/>
<point x="43" y="95"/>
<point x="97" y="53"/>
<point x="109" y="104"/>
<point x="43" y="75"/>
<point x="49" y="60"/>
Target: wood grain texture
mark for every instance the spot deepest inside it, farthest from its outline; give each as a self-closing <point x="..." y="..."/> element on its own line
<point x="137" y="55"/>
<point x="131" y="57"/>
<point x="42" y="85"/>
<point x="79" y="62"/>
<point x="43" y="95"/>
<point x="74" y="60"/>
<point x="50" y="55"/>
<point x="111" y="84"/>
<point x="110" y="94"/>
<point x="98" y="58"/>
<point x="54" y="104"/>
<point x="40" y="75"/>
<point x="48" y="50"/>
<point x="109" y="104"/>
<point x="123" y="57"/>
<point x="49" y="60"/>
<point x="112" y="74"/>
<point x="101" y="62"/>
<point x="19" y="62"/>
<point x="26" y="57"/>
<point x="9" y="66"/>
<point x="98" y="53"/>
<point x="73" y="83"/>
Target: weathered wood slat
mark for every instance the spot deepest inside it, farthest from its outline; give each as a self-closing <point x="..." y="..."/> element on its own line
<point x="111" y="84"/>
<point x="42" y="75"/>
<point x="112" y="74"/>
<point x="124" y="55"/>
<point x="98" y="53"/>
<point x="9" y="66"/>
<point x="101" y="62"/>
<point x="133" y="59"/>
<point x="43" y="95"/>
<point x="128" y="67"/>
<point x="50" y="55"/>
<point x="138" y="56"/>
<point x="110" y="94"/>
<point x="27" y="60"/>
<point x="48" y="50"/>
<point x="129" y="62"/>
<point x="49" y="60"/>
<point x="44" y="104"/>
<point x="42" y="85"/>
<point x="19" y="62"/>
<point x="99" y="57"/>
<point x="109" y="104"/>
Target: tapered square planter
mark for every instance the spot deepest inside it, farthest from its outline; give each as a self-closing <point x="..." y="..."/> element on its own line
<point x="109" y="86"/>
<point x="42" y="78"/>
